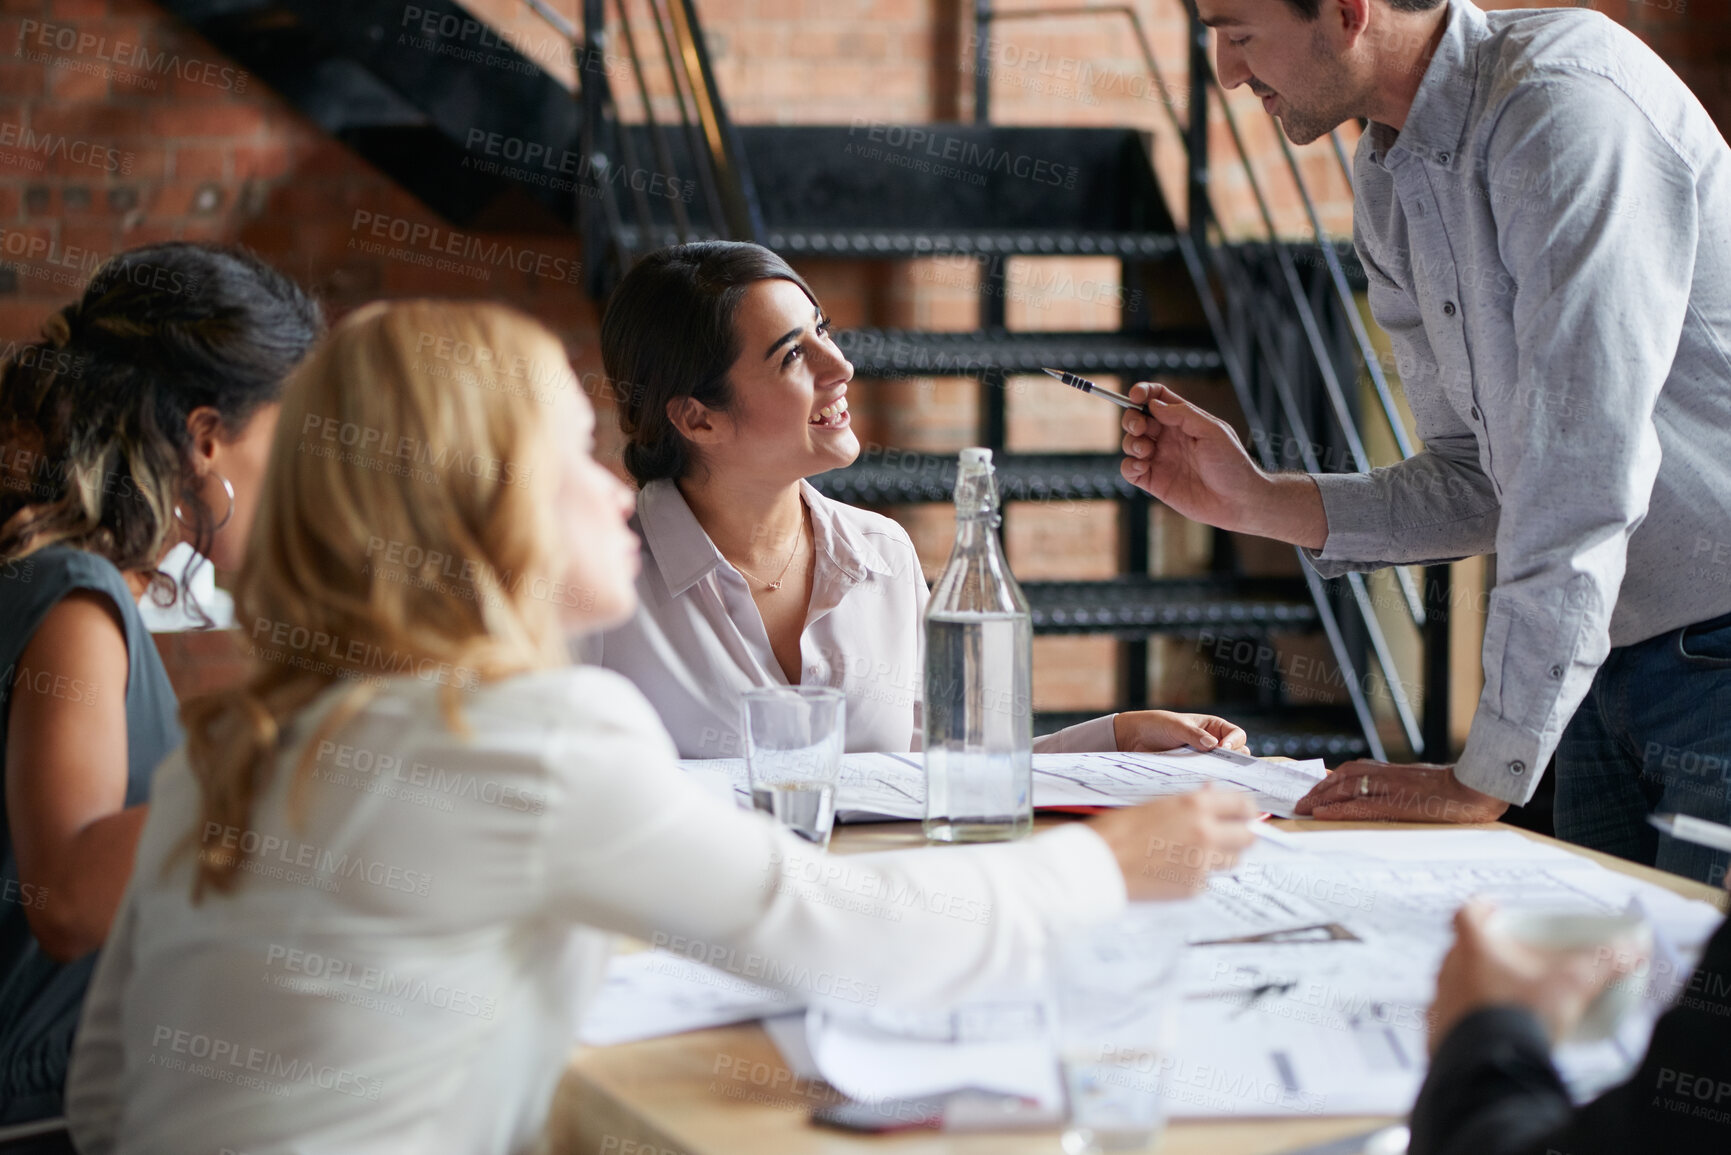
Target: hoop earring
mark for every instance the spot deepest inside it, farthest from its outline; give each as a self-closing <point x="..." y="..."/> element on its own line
<point x="217" y="528"/>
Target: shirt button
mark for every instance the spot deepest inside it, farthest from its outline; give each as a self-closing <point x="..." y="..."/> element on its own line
<point x="1475" y="412"/>
<point x="1448" y="308"/>
<point x="1517" y="767"/>
<point x="1556" y="671"/>
<point x="1442" y="158"/>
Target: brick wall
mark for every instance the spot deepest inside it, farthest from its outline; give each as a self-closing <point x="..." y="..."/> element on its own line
<point x="181" y="143"/>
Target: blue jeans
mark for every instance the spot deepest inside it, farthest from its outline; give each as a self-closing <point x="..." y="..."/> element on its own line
<point x="1652" y="736"/>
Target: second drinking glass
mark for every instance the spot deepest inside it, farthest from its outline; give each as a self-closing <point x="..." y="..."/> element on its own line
<point x="793" y="745"/>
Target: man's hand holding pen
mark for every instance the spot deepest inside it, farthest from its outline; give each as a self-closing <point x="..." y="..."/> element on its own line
<point x="1193" y="461"/>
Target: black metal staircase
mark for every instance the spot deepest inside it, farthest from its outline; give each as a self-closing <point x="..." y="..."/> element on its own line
<point x="489" y="139"/>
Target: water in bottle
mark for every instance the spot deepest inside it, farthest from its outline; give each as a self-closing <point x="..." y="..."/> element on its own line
<point x="978" y="679"/>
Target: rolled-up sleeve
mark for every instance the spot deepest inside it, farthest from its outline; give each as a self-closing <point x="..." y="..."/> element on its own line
<point x="1435" y="506"/>
<point x="1599" y="250"/>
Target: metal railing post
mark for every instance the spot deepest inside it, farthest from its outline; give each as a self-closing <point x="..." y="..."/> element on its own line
<point x="982" y="61"/>
<point x="1196" y="133"/>
<point x="1438" y="595"/>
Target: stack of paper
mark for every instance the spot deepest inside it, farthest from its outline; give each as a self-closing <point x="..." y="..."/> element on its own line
<point x="652" y="993"/>
<point x="880" y="787"/>
<point x="1304" y="991"/>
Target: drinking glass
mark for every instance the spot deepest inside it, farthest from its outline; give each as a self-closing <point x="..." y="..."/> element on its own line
<point x="1115" y="990"/>
<point x="793" y="744"/>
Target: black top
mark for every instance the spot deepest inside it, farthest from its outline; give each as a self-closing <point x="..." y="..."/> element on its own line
<point x="1493" y="1091"/>
<point x="40" y="998"/>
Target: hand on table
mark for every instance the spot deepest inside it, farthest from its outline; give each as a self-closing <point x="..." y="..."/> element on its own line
<point x="1483" y="970"/>
<point x="1366" y="791"/>
<point x="1145" y="731"/>
<point x="1166" y="848"/>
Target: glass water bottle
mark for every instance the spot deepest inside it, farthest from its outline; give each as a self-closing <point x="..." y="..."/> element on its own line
<point x="979" y="727"/>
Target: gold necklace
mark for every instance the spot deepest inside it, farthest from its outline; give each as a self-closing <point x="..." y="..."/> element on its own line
<point x="776" y="584"/>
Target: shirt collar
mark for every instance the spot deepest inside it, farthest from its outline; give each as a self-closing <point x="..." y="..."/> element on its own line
<point x="682" y="551"/>
<point x="839" y="540"/>
<point x="1437" y="122"/>
<point x="685" y="555"/>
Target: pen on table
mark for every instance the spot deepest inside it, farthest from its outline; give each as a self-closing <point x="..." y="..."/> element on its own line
<point x="1088" y="386"/>
<point x="1696" y="830"/>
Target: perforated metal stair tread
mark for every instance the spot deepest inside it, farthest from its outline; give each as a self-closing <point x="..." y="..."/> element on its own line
<point x="887" y="476"/>
<point x="913" y="352"/>
<point x="1138" y="606"/>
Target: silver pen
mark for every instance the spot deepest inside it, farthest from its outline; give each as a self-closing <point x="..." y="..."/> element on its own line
<point x="1696" y="830"/>
<point x="1088" y="386"/>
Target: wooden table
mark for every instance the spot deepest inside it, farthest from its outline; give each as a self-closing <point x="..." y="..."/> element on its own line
<point x="727" y="1092"/>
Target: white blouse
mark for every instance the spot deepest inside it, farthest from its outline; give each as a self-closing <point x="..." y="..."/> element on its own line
<point x="697" y="642"/>
<point x="405" y="971"/>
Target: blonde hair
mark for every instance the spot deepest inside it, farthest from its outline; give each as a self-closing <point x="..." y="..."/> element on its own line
<point x="404" y="527"/>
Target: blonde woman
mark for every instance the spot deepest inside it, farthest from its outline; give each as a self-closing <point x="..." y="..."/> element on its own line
<point x="731" y="395"/>
<point x="376" y="887"/>
<point x="139" y="421"/>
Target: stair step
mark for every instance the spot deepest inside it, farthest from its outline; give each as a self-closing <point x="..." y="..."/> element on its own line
<point x="946" y="177"/>
<point x="917" y="353"/>
<point x="1329" y="734"/>
<point x="1135" y="606"/>
<point x="902" y="244"/>
<point x="897" y="476"/>
<point x="987" y="242"/>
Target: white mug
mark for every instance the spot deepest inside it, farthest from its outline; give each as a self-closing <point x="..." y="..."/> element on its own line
<point x="1566" y="932"/>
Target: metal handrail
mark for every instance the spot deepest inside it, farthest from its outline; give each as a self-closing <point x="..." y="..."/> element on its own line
<point x="739" y="196"/>
<point x="694" y="141"/>
<point x="1313" y="332"/>
<point x="1238" y="376"/>
<point x="711" y="141"/>
<point x="658" y="138"/>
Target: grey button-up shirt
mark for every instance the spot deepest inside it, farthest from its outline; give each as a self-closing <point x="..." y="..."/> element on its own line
<point x="1548" y="244"/>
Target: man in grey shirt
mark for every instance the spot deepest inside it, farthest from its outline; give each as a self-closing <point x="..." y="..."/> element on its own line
<point x="1543" y="211"/>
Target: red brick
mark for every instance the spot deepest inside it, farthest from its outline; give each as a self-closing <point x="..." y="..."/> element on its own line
<point x="105" y="123"/>
<point x="148" y="231"/>
<point x="274" y="158"/>
<point x="206" y="118"/>
<point x="177" y="198"/>
<point x="16" y="163"/>
<point x="202" y="73"/>
<point x="199" y="162"/>
<point x="19" y="80"/>
<point x="141" y="162"/>
<point x="210" y="230"/>
<point x="21" y="320"/>
<point x="77" y="85"/>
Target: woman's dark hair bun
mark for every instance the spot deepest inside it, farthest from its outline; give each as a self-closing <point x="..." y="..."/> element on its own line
<point x="669" y="333"/>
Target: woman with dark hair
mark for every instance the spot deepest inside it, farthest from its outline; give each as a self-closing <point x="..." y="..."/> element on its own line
<point x="731" y="394"/>
<point x="141" y="420"/>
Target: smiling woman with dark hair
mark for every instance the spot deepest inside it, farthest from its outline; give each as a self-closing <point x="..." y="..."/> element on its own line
<point x="731" y="395"/>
